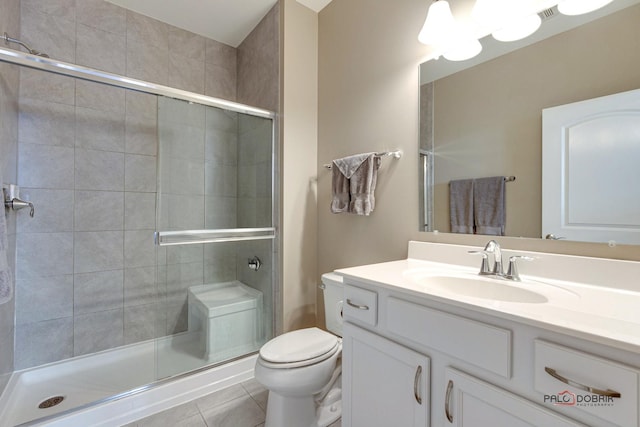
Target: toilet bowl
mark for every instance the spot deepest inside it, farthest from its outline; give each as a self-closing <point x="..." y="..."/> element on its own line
<point x="302" y="369"/>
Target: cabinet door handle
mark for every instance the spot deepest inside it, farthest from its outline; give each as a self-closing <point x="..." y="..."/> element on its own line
<point x="358" y="306"/>
<point x="447" y="402"/>
<point x="554" y="374"/>
<point x="416" y="381"/>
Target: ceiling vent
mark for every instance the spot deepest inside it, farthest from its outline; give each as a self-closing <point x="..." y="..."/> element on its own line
<point x="548" y="14"/>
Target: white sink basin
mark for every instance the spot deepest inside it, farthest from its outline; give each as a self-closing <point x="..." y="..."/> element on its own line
<point x="451" y="283"/>
<point x="486" y="288"/>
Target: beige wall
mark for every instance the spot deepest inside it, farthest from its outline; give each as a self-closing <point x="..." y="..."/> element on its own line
<point x="299" y="134"/>
<point x="368" y="100"/>
<point x="479" y="130"/>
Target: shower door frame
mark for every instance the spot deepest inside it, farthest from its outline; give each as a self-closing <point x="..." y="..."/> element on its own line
<point x="85" y="73"/>
<point x="111" y="79"/>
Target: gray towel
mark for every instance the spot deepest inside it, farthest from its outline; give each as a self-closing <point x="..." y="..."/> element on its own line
<point x="6" y="286"/>
<point x="489" y="205"/>
<point x="353" y="183"/>
<point x="461" y="206"/>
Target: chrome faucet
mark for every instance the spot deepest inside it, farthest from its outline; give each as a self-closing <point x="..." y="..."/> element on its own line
<point x="494" y="248"/>
<point x="491" y="248"/>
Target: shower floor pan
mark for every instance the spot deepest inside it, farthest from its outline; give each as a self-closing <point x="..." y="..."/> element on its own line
<point x="86" y="379"/>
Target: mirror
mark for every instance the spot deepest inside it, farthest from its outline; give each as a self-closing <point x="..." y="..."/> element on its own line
<point x="483" y="117"/>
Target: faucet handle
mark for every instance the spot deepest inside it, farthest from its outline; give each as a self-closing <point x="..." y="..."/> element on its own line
<point x="484" y="267"/>
<point x="512" y="271"/>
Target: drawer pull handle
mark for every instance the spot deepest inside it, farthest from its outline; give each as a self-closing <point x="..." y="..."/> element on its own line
<point x="358" y="306"/>
<point x="447" y="402"/>
<point x="554" y="374"/>
<point x="416" y="380"/>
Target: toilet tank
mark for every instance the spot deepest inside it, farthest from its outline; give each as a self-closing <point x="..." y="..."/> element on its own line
<point x="333" y="302"/>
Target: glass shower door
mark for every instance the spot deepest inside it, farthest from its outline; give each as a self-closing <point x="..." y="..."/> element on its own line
<point x="215" y="235"/>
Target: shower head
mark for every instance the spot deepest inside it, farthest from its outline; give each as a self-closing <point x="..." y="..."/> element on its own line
<point x="7" y="39"/>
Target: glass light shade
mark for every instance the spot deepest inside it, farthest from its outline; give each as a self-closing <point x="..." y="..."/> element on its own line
<point x="438" y="26"/>
<point x="518" y="29"/>
<point x="463" y="50"/>
<point x="508" y="20"/>
<point x="491" y="13"/>
<point x="579" y="7"/>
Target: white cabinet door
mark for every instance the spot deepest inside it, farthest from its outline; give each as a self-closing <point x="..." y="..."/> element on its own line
<point x="470" y="402"/>
<point x="384" y="384"/>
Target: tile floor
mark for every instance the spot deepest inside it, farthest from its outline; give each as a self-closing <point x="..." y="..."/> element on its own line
<point x="241" y="405"/>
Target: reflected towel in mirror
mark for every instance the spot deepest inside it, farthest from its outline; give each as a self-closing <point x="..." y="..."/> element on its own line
<point x="489" y="205"/>
<point x="461" y="206"/>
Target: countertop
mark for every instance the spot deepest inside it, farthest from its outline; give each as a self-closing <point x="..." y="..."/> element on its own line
<point x="606" y="315"/>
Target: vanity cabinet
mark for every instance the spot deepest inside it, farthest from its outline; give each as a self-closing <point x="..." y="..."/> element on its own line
<point x="481" y="370"/>
<point x="384" y="384"/>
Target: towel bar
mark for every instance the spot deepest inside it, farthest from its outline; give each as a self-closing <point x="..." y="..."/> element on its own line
<point x="395" y="154"/>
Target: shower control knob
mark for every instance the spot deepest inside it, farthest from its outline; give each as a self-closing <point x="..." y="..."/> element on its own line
<point x="254" y="263"/>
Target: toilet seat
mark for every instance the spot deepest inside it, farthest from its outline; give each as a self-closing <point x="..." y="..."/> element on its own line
<point x="299" y="348"/>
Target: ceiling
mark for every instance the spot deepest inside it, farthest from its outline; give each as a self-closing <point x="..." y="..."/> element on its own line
<point x="315" y="5"/>
<point x="227" y="21"/>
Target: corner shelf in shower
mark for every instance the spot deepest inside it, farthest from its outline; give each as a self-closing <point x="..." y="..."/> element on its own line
<point x="186" y="237"/>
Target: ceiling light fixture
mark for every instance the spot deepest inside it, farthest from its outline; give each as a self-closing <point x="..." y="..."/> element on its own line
<point x="463" y="50"/>
<point x="518" y="29"/>
<point x="449" y="38"/>
<point x="579" y="7"/>
<point x="508" y="20"/>
<point x="438" y="25"/>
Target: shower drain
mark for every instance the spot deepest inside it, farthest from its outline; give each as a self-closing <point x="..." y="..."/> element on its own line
<point x="50" y="402"/>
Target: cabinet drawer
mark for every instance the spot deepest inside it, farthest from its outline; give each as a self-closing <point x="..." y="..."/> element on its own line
<point x="360" y="304"/>
<point x="562" y="374"/>
<point x="477" y="343"/>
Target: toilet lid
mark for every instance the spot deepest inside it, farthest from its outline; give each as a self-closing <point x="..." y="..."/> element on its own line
<point x="298" y="345"/>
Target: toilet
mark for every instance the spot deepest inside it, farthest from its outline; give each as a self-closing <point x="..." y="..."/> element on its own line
<point x="227" y="317"/>
<point x="302" y="369"/>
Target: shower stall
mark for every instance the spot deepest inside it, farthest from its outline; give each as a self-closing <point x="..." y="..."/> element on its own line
<point x="152" y="251"/>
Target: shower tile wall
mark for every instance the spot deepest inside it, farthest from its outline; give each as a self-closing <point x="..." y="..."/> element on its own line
<point x="86" y="269"/>
<point x="259" y="63"/>
<point x="82" y="259"/>
<point x="9" y="82"/>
